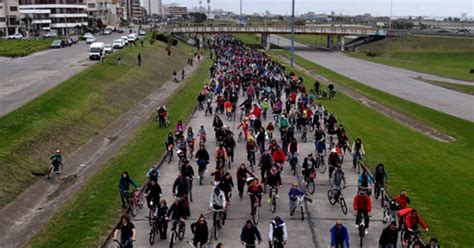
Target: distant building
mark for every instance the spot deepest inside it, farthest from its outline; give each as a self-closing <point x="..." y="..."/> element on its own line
<point x="173" y="10"/>
<point x="153" y="7"/>
<point x="63" y="16"/>
<point x="9" y="17"/>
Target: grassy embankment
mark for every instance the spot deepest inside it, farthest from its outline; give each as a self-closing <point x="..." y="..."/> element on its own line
<point x="468" y="89"/>
<point x="443" y="56"/>
<point x="314" y="40"/>
<point x="91" y="215"/>
<point x="19" y="48"/>
<point x="76" y="110"/>
<point x="436" y="174"/>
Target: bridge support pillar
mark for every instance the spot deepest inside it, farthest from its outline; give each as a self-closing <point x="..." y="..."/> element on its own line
<point x="265" y="41"/>
<point x="330" y="41"/>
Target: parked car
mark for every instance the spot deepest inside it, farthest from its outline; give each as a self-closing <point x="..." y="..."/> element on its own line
<point x="87" y="35"/>
<point x="51" y="34"/>
<point x="107" y="32"/>
<point x="57" y="44"/>
<point x="118" y="44"/>
<point x="108" y="48"/>
<point x="90" y="40"/>
<point x="464" y="31"/>
<point x="443" y="31"/>
<point x="141" y="32"/>
<point x="120" y="31"/>
<point x="132" y="38"/>
<point x="73" y="39"/>
<point x="125" y="39"/>
<point x="96" y="50"/>
<point x="15" y="36"/>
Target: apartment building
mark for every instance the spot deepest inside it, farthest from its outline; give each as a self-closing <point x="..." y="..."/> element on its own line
<point x="9" y="17"/>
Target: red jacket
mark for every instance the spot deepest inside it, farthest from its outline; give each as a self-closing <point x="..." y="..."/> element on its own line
<point x="279" y="156"/>
<point x="411" y="221"/>
<point x="362" y="203"/>
<point x="402" y="200"/>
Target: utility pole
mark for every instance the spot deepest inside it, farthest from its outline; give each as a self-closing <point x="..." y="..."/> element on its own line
<point x="390" y="20"/>
<point x="292" y="33"/>
<point x="240" y="21"/>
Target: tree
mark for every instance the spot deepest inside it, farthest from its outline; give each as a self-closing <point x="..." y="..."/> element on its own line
<point x="198" y="17"/>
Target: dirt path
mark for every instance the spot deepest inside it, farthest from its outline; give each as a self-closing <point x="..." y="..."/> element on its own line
<point x="30" y="211"/>
<point x="402" y="118"/>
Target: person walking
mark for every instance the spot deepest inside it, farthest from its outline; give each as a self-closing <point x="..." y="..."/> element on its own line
<point x="139" y="58"/>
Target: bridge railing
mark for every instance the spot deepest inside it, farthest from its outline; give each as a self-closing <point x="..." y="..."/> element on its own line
<point x="336" y="30"/>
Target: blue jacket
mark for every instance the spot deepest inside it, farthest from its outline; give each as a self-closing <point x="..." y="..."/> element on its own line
<point x="339" y="236"/>
<point x="124" y="183"/>
<point x="294" y="193"/>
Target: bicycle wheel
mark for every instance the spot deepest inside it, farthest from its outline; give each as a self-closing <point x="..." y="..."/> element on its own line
<point x="133" y="208"/>
<point x="169" y="157"/>
<point x="274" y="207"/>
<point x="382" y="198"/>
<point x="50" y="172"/>
<point x="172" y="238"/>
<point x="311" y="187"/>
<point x="152" y="237"/>
<point x="255" y="215"/>
<point x="322" y="166"/>
<point x="402" y="238"/>
<point x="150" y="217"/>
<point x="331" y="198"/>
<point x="181" y="232"/>
<point x="386" y="215"/>
<point x="377" y="192"/>
<point x="60" y="169"/>
<point x="302" y="212"/>
<point x="343" y="205"/>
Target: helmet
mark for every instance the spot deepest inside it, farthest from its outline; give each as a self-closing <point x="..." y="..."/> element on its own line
<point x="58" y="151"/>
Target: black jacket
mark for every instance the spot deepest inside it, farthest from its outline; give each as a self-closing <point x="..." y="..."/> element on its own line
<point x="388" y="237"/>
<point x="250" y="235"/>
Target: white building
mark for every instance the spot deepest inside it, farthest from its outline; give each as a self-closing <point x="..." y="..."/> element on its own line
<point x="9" y="17"/>
<point x="153" y="7"/>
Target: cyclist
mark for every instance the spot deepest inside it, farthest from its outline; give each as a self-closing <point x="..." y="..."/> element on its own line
<point x="357" y="151"/>
<point x="255" y="191"/>
<point x="273" y="181"/>
<point x="187" y="170"/>
<point x="124" y="186"/>
<point x="226" y="185"/>
<point x="338" y="182"/>
<point x="56" y="160"/>
<point x="293" y="149"/>
<point x="265" y="163"/>
<point x="277" y="233"/>
<point x="218" y="202"/>
<point x="245" y="127"/>
<point x="170" y="142"/>
<point x="190" y="140"/>
<point x="178" y="211"/>
<point x="279" y="157"/>
<point x="153" y="193"/>
<point x="389" y="236"/>
<point x="402" y="199"/>
<point x="200" y="231"/>
<point x="160" y="216"/>
<point x="339" y="235"/>
<point x="362" y="206"/>
<point x="308" y="167"/>
<point x="250" y="236"/>
<point x="242" y="173"/>
<point x="153" y="173"/>
<point x="293" y="194"/>
<point x="202" y="135"/>
<point x="218" y="175"/>
<point x="380" y="176"/>
<point x="333" y="161"/>
<point x="365" y="182"/>
<point x="221" y="155"/>
<point x="162" y="114"/>
<point x="260" y="136"/>
<point x="179" y="128"/>
<point x="229" y="144"/>
<point x="412" y="220"/>
<point x="180" y="186"/>
<point x="320" y="143"/>
<point x="127" y="231"/>
<point x="182" y="145"/>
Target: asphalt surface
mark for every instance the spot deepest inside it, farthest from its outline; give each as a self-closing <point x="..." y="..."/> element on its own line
<point x="311" y="232"/>
<point x="30" y="211"/>
<point x="396" y="81"/>
<point x="26" y="78"/>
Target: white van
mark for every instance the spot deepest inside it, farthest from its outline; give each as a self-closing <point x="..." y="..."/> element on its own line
<point x="96" y="50"/>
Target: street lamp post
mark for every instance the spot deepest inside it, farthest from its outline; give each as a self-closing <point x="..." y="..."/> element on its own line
<point x="292" y="33"/>
<point x="240" y="21"/>
<point x="390" y="20"/>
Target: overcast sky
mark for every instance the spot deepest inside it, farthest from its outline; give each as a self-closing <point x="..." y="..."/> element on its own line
<point x="375" y="7"/>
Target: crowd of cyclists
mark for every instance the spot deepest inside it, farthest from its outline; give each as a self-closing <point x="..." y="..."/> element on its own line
<point x="247" y="86"/>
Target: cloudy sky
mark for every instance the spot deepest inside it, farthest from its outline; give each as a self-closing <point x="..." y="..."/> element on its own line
<point x="375" y="7"/>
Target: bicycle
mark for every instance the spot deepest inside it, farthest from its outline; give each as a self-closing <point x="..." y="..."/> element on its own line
<point x="414" y="239"/>
<point x="309" y="182"/>
<point x="56" y="169"/>
<point x="275" y="243"/>
<point x="199" y="244"/>
<point x="156" y="228"/>
<point x="293" y="163"/>
<point x="126" y="244"/>
<point x="151" y="212"/>
<point x="191" y="148"/>
<point x="216" y="224"/>
<point x="251" y="158"/>
<point x="255" y="208"/>
<point x="320" y="163"/>
<point x="379" y="191"/>
<point x="304" y="134"/>
<point x="300" y="199"/>
<point x="190" y="188"/>
<point x="229" y="157"/>
<point x="135" y="201"/>
<point x="361" y="228"/>
<point x="182" y="158"/>
<point x="332" y="199"/>
<point x="358" y="163"/>
<point x="250" y="245"/>
<point x="176" y="234"/>
<point x="273" y="198"/>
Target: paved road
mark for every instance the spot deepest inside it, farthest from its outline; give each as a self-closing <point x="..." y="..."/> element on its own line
<point x="396" y="81"/>
<point x="301" y="233"/>
<point x="26" y="78"/>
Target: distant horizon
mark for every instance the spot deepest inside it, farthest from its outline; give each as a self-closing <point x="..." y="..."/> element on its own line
<point x="401" y="8"/>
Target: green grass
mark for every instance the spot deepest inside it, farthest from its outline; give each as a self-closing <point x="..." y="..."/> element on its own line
<point x="468" y="89"/>
<point x="87" y="219"/>
<point x="443" y="56"/>
<point x="76" y="110"/>
<point x="19" y="48"/>
<point x="437" y="175"/>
